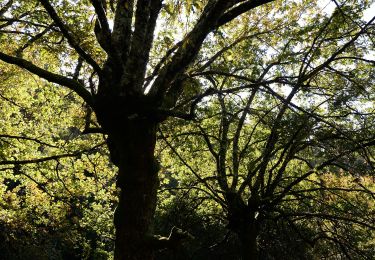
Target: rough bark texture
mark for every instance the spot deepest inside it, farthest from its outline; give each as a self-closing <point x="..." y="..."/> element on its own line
<point x="248" y="237"/>
<point x="131" y="142"/>
<point x="133" y="151"/>
<point x="243" y="221"/>
<point x="138" y="181"/>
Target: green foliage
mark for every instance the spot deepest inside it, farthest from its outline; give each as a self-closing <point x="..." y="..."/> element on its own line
<point x="275" y="144"/>
<point x="60" y="206"/>
<point x="281" y="91"/>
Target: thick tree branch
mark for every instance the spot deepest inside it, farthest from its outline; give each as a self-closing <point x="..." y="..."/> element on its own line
<point x="122" y="30"/>
<point x="161" y="62"/>
<point x="39" y="160"/>
<point x="186" y="53"/>
<point x="223" y="145"/>
<point x="6" y="7"/>
<point x="49" y="76"/>
<point x="71" y="39"/>
<point x="236" y="138"/>
<point x="102" y="18"/>
<point x="272" y="140"/>
<point x="141" y="42"/>
<point x="240" y="9"/>
<point x="189" y="48"/>
<point x="101" y="29"/>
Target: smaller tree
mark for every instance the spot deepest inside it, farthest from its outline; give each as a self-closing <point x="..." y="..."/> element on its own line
<point x="275" y="133"/>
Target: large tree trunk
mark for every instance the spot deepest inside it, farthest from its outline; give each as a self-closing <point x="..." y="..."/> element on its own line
<point x="132" y="150"/>
<point x="242" y="221"/>
<point x="248" y="238"/>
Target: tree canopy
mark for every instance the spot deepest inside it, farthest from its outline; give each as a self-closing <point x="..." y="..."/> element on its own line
<point x="247" y="126"/>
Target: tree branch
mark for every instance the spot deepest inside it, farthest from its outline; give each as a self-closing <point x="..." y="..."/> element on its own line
<point x="6" y="7"/>
<point x="32" y="40"/>
<point x="28" y="139"/>
<point x="48" y="158"/>
<point x="49" y="76"/>
<point x="187" y="52"/>
<point x="338" y="52"/>
<point x="122" y="30"/>
<point x="72" y="41"/>
<point x="320" y="167"/>
<point x="326" y="216"/>
<point x="238" y="10"/>
<point x="141" y="42"/>
<point x="102" y="18"/>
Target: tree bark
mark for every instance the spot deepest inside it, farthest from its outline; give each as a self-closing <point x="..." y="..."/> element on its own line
<point x="132" y="149"/>
<point x="243" y="222"/>
<point x="248" y="238"/>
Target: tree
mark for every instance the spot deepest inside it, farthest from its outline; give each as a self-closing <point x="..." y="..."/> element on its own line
<point x="287" y="137"/>
<point x="58" y="194"/>
<point x="109" y="65"/>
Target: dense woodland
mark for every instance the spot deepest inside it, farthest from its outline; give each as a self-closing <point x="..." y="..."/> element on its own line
<point x="200" y="129"/>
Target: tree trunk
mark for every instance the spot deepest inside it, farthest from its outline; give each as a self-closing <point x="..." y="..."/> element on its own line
<point x="242" y="221"/>
<point x="248" y="238"/>
<point x="132" y="150"/>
